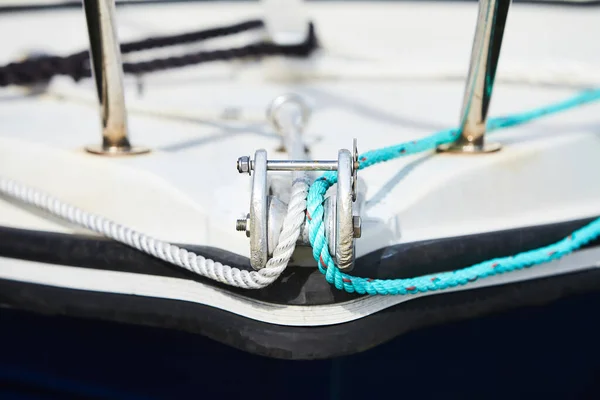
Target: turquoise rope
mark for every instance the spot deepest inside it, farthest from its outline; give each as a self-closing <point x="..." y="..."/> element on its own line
<point x="444" y="280"/>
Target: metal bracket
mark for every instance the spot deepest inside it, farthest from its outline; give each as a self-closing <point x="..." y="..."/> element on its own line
<point x="265" y="219"/>
<point x="264" y="222"/>
<point x="258" y="212"/>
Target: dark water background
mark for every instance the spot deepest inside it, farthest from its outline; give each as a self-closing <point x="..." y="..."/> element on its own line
<point x="538" y="352"/>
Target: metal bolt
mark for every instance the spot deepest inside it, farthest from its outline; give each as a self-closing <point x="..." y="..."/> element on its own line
<point x="242" y="225"/>
<point x="243" y="165"/>
<point x="357" y="223"/>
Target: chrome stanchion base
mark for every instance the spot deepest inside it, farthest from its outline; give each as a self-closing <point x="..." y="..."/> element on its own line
<point x="468" y="148"/>
<point x="115" y="151"/>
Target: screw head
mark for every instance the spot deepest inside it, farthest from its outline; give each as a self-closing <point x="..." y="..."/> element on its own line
<point x="357" y="223"/>
<point x="243" y="165"/>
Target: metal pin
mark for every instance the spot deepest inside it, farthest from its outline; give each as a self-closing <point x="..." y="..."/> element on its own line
<point x="300" y="165"/>
<point x="246" y="165"/>
<point x="485" y="53"/>
<point x="105" y="59"/>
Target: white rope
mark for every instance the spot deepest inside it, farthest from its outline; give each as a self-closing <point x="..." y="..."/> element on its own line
<point x="234" y="114"/>
<point x="545" y="73"/>
<point x="169" y="252"/>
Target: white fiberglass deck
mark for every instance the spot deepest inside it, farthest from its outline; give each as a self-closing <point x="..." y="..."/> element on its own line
<point x="188" y="190"/>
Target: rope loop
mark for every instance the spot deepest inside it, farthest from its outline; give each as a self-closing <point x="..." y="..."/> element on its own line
<point x="444" y="280"/>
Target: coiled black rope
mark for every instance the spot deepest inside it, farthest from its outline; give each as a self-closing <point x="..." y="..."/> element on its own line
<point x="77" y="65"/>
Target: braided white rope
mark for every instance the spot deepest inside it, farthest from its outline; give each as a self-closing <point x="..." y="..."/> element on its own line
<point x="292" y="224"/>
<point x="168" y="252"/>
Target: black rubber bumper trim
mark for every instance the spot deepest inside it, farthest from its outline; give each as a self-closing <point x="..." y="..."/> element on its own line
<point x="299" y="286"/>
<point x="291" y="342"/>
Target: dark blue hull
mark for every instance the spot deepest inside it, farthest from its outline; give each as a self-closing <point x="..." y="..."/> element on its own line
<point x="531" y="352"/>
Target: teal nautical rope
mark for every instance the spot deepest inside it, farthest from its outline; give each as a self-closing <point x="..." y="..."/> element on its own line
<point x="450" y="279"/>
